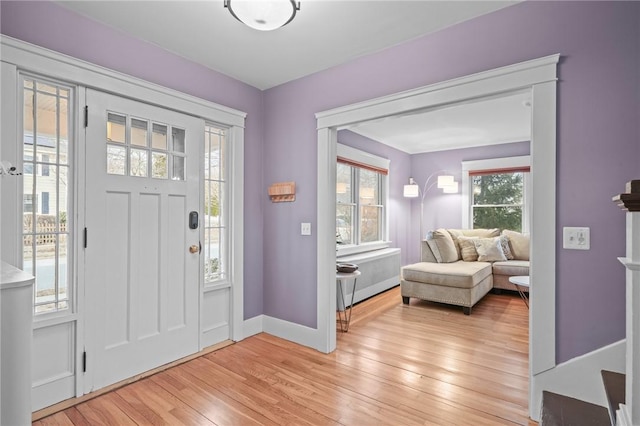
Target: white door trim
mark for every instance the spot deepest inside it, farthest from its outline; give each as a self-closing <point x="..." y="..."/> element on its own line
<point x="539" y="76"/>
<point x="22" y="56"/>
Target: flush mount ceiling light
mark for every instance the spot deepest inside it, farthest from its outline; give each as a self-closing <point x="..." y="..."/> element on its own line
<point x="263" y="15"/>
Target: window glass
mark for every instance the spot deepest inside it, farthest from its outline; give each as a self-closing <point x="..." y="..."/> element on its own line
<point x="46" y="192"/>
<point x="216" y="213"/>
<point x="360" y="205"/>
<point x="497" y="200"/>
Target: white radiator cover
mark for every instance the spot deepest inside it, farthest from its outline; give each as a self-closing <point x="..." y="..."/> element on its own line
<point x="380" y="271"/>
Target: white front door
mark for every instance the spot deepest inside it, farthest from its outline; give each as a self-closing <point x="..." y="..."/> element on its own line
<point x="142" y="256"/>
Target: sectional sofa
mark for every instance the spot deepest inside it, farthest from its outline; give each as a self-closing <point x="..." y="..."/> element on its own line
<point x="460" y="266"/>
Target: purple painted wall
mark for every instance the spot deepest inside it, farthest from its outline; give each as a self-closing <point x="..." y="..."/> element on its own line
<point x="445" y="210"/>
<point x="598" y="136"/>
<point x="49" y="25"/>
<point x="598" y="146"/>
<point x="399" y="208"/>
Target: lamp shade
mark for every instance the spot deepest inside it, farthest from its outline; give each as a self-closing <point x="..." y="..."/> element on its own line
<point x="444" y="181"/>
<point x="263" y="15"/>
<point x="451" y="189"/>
<point x="411" y="191"/>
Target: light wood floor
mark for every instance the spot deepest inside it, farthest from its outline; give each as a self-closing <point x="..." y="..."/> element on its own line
<point x="422" y="364"/>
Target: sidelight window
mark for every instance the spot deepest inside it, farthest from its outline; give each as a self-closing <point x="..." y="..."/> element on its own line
<point x="46" y="248"/>
<point x="216" y="211"/>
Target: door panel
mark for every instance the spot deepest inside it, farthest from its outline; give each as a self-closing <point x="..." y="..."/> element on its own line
<point x="142" y="282"/>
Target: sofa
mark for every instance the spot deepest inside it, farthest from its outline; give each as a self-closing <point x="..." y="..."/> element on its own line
<point x="460" y="266"/>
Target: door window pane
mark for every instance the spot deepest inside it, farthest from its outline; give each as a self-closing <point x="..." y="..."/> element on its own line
<point x="116" y="160"/>
<point x="159" y="137"/>
<point x="116" y="128"/>
<point x="159" y="166"/>
<point x="138" y="162"/>
<point x="178" y="168"/>
<point x="138" y="132"/>
<point x="178" y="137"/>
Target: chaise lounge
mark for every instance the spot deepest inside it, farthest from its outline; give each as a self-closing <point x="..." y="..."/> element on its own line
<point x="460" y="266"/>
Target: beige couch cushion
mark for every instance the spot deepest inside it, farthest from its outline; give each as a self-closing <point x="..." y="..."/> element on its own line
<point x="442" y="246"/>
<point x="478" y="233"/>
<point x="458" y="274"/>
<point x="511" y="268"/>
<point x="519" y="244"/>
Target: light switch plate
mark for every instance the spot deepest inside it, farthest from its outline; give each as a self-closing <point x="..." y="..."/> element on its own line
<point x="305" y="228"/>
<point x="576" y="238"/>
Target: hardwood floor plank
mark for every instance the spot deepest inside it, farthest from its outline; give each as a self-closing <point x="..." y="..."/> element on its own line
<point x="418" y="364"/>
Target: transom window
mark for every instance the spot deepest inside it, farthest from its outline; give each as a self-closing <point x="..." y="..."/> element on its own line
<point x="216" y="187"/>
<point x="47" y="190"/>
<point x="361" y="200"/>
<point x="497" y="193"/>
<point x="142" y="148"/>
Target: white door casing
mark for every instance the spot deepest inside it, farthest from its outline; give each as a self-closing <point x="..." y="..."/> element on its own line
<point x="61" y="338"/>
<point x="142" y="286"/>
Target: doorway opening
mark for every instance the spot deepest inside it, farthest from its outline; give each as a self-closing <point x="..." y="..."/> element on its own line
<point x="539" y="77"/>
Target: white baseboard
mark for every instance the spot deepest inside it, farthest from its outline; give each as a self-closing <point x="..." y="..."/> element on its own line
<point x="292" y="332"/>
<point x="579" y="378"/>
<point x="296" y="333"/>
<point x="253" y="326"/>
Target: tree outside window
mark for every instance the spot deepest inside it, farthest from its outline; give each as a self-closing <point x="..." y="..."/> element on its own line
<point x="498" y="200"/>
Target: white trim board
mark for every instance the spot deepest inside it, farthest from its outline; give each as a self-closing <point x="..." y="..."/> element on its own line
<point x="580" y="377"/>
<point x="30" y="57"/>
<point x="538" y="76"/>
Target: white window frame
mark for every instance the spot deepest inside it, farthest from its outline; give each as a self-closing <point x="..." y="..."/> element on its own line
<point x="496" y="164"/>
<point x="375" y="161"/>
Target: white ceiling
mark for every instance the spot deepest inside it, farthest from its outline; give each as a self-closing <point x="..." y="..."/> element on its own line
<point x="324" y="33"/>
<point x="486" y="122"/>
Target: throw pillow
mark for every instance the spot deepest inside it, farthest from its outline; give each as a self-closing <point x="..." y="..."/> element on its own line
<point x="504" y="242"/>
<point x="489" y="250"/>
<point x="442" y="246"/>
<point x="477" y="232"/>
<point x="468" y="249"/>
<point x="519" y="244"/>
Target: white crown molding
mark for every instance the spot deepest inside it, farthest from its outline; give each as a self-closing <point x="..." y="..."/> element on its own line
<point x="30" y="57"/>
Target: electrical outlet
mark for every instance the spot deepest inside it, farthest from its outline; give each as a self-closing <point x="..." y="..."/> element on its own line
<point x="576" y="238"/>
<point x="305" y="228"/>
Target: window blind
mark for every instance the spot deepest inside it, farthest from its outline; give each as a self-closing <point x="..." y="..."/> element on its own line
<point x="484" y="172"/>
<point x="353" y="163"/>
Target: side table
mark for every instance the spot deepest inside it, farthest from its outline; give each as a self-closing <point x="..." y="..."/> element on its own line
<point x="521" y="282"/>
<point x="340" y="277"/>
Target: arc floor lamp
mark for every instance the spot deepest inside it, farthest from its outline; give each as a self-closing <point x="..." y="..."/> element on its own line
<point x="444" y="181"/>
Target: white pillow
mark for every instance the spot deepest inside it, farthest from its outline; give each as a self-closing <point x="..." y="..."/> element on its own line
<point x="489" y="250"/>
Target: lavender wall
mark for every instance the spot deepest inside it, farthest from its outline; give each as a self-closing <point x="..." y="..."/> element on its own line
<point x="598" y="146"/>
<point x="399" y="208"/>
<point x="598" y="136"/>
<point x="49" y="25"/>
<point x="445" y="210"/>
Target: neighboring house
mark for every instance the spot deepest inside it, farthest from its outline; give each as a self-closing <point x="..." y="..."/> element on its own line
<point x="598" y="139"/>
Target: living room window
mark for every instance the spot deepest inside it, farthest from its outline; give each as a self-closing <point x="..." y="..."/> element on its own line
<point x="361" y="201"/>
<point x="496" y="193"/>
